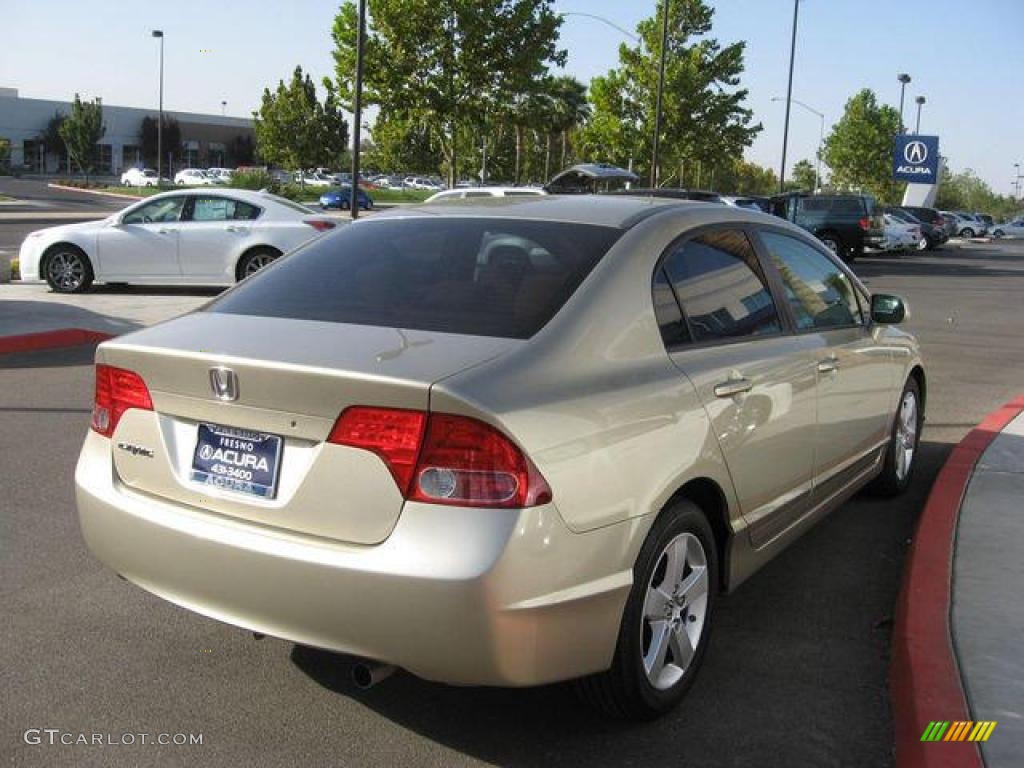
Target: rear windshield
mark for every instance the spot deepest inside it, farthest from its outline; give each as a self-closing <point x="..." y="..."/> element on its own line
<point x="475" y="276"/>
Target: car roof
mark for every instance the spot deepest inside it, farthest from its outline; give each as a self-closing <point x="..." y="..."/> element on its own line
<point x="245" y="195"/>
<point x="619" y="211"/>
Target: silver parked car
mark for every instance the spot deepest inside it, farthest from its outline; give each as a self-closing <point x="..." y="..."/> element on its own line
<point x="502" y="444"/>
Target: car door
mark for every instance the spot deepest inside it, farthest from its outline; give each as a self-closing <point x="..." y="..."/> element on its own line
<point x="143" y="243"/>
<point x="856" y="375"/>
<point x="213" y="230"/>
<point x="756" y="380"/>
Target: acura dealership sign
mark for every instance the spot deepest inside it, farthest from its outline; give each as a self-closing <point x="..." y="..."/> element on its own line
<point x="916" y="159"/>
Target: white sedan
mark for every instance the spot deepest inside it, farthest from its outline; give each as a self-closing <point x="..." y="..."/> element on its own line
<point x="1013" y="228"/>
<point x="194" y="177"/>
<point x="187" y="237"/>
<point x="140" y="177"/>
<point x="901" y="236"/>
<point x="471" y="192"/>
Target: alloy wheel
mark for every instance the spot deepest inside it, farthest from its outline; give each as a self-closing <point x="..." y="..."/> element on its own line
<point x="906" y="435"/>
<point x="66" y="271"/>
<point x="257" y="262"/>
<point x="675" y="608"/>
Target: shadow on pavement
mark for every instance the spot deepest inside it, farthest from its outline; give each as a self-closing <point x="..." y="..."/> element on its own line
<point x="20" y="316"/>
<point x="805" y="641"/>
<point x="123" y="289"/>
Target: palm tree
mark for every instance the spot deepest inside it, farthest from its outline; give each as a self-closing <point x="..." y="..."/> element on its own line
<point x="571" y="107"/>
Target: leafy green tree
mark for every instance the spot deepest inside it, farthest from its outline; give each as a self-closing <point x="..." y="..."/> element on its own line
<point x="570" y="109"/>
<point x="295" y="130"/>
<point x="745" y="178"/>
<point x="704" y="119"/>
<point x="81" y="131"/>
<point x="5" y="155"/>
<point x="964" y="191"/>
<point x="859" y="148"/>
<point x="803" y="175"/>
<point x="447" y="65"/>
<point x="52" y="139"/>
<point x="149" y="140"/>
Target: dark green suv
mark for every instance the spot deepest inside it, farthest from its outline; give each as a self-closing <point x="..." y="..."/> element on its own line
<point x="845" y="223"/>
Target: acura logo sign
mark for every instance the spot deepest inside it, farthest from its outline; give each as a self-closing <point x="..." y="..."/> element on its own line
<point x="224" y="383"/>
<point x="915" y="152"/>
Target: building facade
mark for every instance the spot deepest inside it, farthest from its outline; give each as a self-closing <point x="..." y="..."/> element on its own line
<point x="206" y="140"/>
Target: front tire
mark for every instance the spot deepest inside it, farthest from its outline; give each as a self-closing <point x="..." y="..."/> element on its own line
<point x="67" y="270"/>
<point x="666" y="622"/>
<point x="997" y="233"/>
<point x="899" y="462"/>
<point x="967" y="232"/>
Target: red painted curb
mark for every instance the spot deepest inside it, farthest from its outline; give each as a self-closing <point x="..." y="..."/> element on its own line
<point x="924" y="676"/>
<point x="64" y="337"/>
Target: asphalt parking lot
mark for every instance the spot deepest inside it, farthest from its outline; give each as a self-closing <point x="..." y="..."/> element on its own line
<point x="795" y="674"/>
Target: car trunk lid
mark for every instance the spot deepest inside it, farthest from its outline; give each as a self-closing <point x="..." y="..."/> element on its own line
<point x="292" y="379"/>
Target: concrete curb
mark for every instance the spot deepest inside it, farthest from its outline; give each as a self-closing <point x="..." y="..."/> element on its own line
<point x="64" y="337"/>
<point x="101" y="192"/>
<point x="924" y="675"/>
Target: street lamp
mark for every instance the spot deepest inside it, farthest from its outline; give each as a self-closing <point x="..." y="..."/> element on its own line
<point x="608" y="22"/>
<point x="661" y="91"/>
<point x="920" y="102"/>
<point x="357" y="109"/>
<point x="160" y="124"/>
<point x="789" y="98"/>
<point x="904" y="79"/>
<point x="821" y="137"/>
<point x="223" y="107"/>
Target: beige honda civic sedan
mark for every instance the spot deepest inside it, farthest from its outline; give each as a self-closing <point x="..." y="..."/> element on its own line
<point x="502" y="442"/>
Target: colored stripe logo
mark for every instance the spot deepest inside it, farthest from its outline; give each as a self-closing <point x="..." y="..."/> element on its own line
<point x="958" y="730"/>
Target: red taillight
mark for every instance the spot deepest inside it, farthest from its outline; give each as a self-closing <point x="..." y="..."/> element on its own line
<point x="117" y="390"/>
<point x="865" y="223"/>
<point x="320" y="225"/>
<point x="393" y="434"/>
<point x="441" y="458"/>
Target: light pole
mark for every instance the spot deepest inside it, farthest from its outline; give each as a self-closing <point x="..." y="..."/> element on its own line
<point x="223" y="107"/>
<point x="661" y="91"/>
<point x="160" y="123"/>
<point x="920" y="102"/>
<point x="357" y="109"/>
<point x="608" y="22"/>
<point x="1016" y="180"/>
<point x="904" y="79"/>
<point x="789" y="98"/>
<point x="821" y="137"/>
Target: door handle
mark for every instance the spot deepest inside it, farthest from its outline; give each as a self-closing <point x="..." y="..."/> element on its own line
<point x="165" y="231"/>
<point x="733" y="387"/>
<point x="829" y="365"/>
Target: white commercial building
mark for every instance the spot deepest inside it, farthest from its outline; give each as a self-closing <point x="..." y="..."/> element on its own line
<point x="206" y="140"/>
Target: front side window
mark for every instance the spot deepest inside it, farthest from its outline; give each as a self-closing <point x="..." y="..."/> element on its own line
<point x="819" y="292"/>
<point x="476" y="276"/>
<point x="160" y="211"/>
<point x="719" y="284"/>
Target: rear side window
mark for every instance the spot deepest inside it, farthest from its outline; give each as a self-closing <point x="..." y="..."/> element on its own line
<point x="719" y="283"/>
<point x="816" y="204"/>
<point x="849" y="205"/>
<point x="475" y="276"/>
<point x="222" y="209"/>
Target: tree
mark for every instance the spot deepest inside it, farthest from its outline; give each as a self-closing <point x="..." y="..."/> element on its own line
<point x="149" y="140"/>
<point x="447" y="65"/>
<point x="81" y="131"/>
<point x="964" y="191"/>
<point x="295" y="130"/>
<point x="704" y="119"/>
<point x="52" y="139"/>
<point x="570" y="110"/>
<point x="859" y="148"/>
<point x="803" y="175"/>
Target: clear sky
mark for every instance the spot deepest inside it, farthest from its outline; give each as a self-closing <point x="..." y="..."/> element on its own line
<point x="966" y="58"/>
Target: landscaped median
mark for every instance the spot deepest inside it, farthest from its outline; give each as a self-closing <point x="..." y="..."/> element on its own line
<point x="934" y="723"/>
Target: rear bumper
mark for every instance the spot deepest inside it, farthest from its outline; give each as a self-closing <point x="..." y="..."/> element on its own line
<point x="464" y="596"/>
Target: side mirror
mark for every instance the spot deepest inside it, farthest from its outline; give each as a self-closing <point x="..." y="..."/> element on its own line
<point x="887" y="310"/>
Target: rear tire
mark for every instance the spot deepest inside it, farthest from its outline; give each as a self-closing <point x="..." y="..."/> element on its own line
<point x="255" y="260"/>
<point x="834" y="244"/>
<point x="67" y="269"/>
<point x="666" y="623"/>
<point x="967" y="232"/>
<point x="901" y="454"/>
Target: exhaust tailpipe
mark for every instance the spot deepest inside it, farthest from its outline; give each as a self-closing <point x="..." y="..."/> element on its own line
<point x="366" y="674"/>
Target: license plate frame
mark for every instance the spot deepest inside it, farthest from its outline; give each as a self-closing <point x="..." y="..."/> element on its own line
<point x="237" y="460"/>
